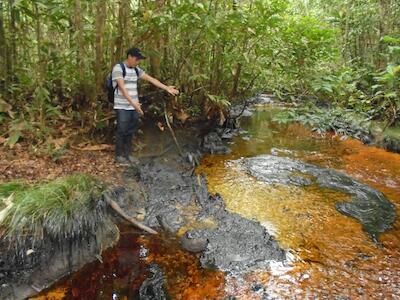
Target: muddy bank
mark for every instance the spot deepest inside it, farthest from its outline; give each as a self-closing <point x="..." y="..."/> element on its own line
<point x="164" y="193"/>
<point x="387" y="143"/>
<point x="178" y="202"/>
<point x="154" y="287"/>
<point x="29" y="270"/>
<point x="369" y="206"/>
<point x="368" y="135"/>
<point x="50" y="230"/>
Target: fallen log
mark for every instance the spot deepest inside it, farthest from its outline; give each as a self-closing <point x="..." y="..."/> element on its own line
<point x="114" y="205"/>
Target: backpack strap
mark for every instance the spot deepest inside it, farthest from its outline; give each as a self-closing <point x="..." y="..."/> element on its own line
<point x="123" y="69"/>
<point x="137" y="83"/>
<point x="123" y="73"/>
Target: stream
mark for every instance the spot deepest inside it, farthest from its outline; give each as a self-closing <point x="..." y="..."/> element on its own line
<point x="331" y="253"/>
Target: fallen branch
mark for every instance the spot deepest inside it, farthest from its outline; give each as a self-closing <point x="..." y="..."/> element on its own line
<point x="3" y="213"/>
<point x="114" y="205"/>
<point x="242" y="111"/>
<point x="171" y="130"/>
<point x="99" y="147"/>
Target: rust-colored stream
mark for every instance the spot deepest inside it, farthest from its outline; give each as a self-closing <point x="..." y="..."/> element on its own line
<point x="333" y="257"/>
<point x="336" y="258"/>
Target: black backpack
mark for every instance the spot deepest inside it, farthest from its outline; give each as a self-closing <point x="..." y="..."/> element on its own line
<point x="109" y="84"/>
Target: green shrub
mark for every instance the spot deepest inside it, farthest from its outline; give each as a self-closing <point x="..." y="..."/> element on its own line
<point x="339" y="120"/>
<point x="64" y="208"/>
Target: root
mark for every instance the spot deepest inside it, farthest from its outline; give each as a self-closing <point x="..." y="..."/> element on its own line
<point x="114" y="205"/>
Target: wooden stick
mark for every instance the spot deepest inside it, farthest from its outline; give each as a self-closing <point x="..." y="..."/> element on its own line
<point x="8" y="202"/>
<point x="114" y="205"/>
<point x="172" y="131"/>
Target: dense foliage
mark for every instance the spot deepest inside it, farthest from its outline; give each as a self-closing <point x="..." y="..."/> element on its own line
<point x="340" y="121"/>
<point x="55" y="55"/>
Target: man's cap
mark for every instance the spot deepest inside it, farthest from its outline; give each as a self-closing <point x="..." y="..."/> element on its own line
<point x="135" y="52"/>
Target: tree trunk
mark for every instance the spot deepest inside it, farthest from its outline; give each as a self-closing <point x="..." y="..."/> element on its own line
<point x="235" y="4"/>
<point x="101" y="14"/>
<point x="123" y="14"/>
<point x="346" y="50"/>
<point x="38" y="43"/>
<point x="80" y="47"/>
<point x="158" y="41"/>
<point x="236" y="78"/>
<point x="3" y="47"/>
<point x="384" y="14"/>
<point x="12" y="45"/>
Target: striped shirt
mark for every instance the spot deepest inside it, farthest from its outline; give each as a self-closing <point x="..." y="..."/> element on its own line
<point x="131" y="79"/>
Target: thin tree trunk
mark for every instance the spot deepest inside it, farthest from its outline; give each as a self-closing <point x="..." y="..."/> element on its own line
<point x="3" y="46"/>
<point x="38" y="43"/>
<point x="346" y="52"/>
<point x="123" y="14"/>
<point x="235" y="4"/>
<point x="155" y="61"/>
<point x="101" y="13"/>
<point x="236" y="78"/>
<point x="80" y="48"/>
<point x="12" y="49"/>
<point x="384" y="14"/>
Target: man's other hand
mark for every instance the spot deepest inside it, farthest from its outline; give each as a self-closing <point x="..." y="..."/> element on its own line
<point x="171" y="89"/>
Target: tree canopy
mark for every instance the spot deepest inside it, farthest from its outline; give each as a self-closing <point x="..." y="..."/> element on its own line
<point x="55" y="56"/>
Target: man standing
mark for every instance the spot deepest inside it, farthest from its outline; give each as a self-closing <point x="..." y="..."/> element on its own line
<point x="126" y="102"/>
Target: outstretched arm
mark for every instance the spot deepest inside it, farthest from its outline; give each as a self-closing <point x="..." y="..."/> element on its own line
<point x="157" y="83"/>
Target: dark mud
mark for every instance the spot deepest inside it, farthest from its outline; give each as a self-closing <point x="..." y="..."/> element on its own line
<point x="369" y="206"/>
<point x="364" y="134"/>
<point x="372" y="139"/>
<point x="25" y="272"/>
<point x="154" y="287"/>
<point x="164" y="193"/>
<point x="387" y="143"/>
<point x="176" y="199"/>
<point x="31" y="264"/>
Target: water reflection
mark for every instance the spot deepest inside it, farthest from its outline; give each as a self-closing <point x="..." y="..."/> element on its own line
<point x="336" y="257"/>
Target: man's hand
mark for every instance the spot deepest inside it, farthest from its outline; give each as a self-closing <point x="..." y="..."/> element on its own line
<point x="135" y="104"/>
<point x="138" y="107"/>
<point x="171" y="89"/>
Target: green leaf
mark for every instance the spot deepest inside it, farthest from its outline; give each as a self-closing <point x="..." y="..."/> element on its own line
<point x="13" y="139"/>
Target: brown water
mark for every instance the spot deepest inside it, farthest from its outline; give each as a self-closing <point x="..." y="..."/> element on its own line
<point x="123" y="269"/>
<point x="333" y="257"/>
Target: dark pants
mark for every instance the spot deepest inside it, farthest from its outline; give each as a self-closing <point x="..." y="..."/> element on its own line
<point x="127" y="125"/>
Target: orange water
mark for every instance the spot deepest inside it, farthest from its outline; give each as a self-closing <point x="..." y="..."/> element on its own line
<point x="122" y="271"/>
<point x="335" y="257"/>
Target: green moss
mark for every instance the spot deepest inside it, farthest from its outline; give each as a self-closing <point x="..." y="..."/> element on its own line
<point x="63" y="208"/>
